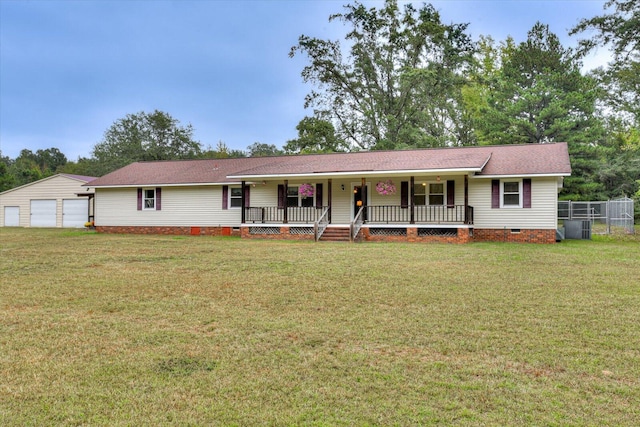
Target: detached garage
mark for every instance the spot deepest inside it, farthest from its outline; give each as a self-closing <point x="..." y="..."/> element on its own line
<point x="57" y="201"/>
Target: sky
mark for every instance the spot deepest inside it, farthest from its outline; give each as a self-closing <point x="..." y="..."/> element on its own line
<point x="70" y="69"/>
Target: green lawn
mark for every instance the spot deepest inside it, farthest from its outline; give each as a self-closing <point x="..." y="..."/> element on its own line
<point x="163" y="330"/>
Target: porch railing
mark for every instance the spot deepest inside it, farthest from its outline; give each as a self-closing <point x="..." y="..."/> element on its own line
<point x="430" y="214"/>
<point x="377" y="214"/>
<point x="275" y="215"/>
<point x="321" y="224"/>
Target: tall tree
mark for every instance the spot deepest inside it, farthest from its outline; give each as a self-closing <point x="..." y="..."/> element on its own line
<point x="534" y="92"/>
<point x="25" y="168"/>
<point x="258" y="149"/>
<point x="315" y="136"/>
<point x="142" y="137"/>
<point x="50" y="160"/>
<point x="222" y="151"/>
<point x="7" y="180"/>
<point x="538" y="94"/>
<point x="400" y="84"/>
<point x="620" y="30"/>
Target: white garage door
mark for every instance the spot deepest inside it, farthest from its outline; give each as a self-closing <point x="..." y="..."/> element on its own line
<point x="12" y="216"/>
<point x="43" y="213"/>
<point x="75" y="212"/>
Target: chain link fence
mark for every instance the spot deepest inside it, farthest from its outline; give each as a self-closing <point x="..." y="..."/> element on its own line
<point x="610" y="217"/>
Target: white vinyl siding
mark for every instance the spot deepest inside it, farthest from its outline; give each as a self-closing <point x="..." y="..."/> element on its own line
<point x="58" y="187"/>
<point x="181" y="206"/>
<point x="541" y="215"/>
<point x="202" y="205"/>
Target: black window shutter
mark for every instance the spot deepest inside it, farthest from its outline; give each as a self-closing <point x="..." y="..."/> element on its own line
<point x="158" y="198"/>
<point x="282" y="202"/>
<point x="451" y="194"/>
<point x="495" y="193"/>
<point x="247" y="194"/>
<point x="139" y="199"/>
<point x="225" y="197"/>
<point x="526" y="193"/>
<point x="319" y="195"/>
<point x="404" y="194"/>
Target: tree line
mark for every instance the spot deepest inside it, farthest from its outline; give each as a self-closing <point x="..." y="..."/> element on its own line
<point x="401" y="78"/>
<point x="137" y="137"/>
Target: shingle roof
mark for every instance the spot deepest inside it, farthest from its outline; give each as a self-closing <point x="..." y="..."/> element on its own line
<point x="530" y="159"/>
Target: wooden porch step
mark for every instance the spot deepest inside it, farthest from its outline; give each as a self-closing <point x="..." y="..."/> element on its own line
<point x="336" y="234"/>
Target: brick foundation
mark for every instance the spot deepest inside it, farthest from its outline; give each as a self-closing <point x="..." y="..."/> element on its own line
<point x="464" y="235"/>
<point x="514" y="236"/>
<point x="176" y="231"/>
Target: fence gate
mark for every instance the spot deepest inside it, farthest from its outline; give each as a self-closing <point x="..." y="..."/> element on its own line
<point x="608" y="217"/>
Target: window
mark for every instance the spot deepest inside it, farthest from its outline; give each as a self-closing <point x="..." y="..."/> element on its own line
<point x="235" y="197"/>
<point x="294" y="199"/>
<point x="292" y="196"/>
<point x="511" y="194"/>
<point x="149" y="198"/>
<point x="429" y="193"/>
<point x="436" y="194"/>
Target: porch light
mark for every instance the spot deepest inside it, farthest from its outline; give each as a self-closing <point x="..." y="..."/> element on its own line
<point x="355" y="191"/>
<point x="342" y="187"/>
<point x="438" y="178"/>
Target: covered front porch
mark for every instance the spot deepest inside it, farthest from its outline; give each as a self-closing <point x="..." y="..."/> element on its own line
<point x="376" y="214"/>
<point x="368" y="208"/>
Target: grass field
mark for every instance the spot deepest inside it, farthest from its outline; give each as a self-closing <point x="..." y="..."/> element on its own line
<point x="163" y="330"/>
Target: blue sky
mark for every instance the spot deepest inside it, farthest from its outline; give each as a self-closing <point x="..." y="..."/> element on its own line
<point x="69" y="69"/>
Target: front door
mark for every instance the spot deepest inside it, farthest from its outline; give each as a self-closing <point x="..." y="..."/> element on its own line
<point x="359" y="199"/>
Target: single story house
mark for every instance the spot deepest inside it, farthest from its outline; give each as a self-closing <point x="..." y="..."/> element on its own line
<point x="56" y="201"/>
<point x="484" y="193"/>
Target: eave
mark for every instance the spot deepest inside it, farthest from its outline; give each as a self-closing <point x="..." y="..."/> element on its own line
<point x="523" y="175"/>
<point x="361" y="173"/>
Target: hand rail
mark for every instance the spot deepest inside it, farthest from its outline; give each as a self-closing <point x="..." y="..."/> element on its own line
<point x="356" y="224"/>
<point x="321" y="224"/>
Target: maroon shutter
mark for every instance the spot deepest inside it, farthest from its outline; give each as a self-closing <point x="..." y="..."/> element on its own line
<point x="451" y="194"/>
<point x="318" y="195"/>
<point x="495" y="193"/>
<point x="158" y="198"/>
<point x="282" y="198"/>
<point x="526" y="193"/>
<point x="139" y="199"/>
<point x="225" y="197"/>
<point x="404" y="194"/>
<point x="247" y="193"/>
